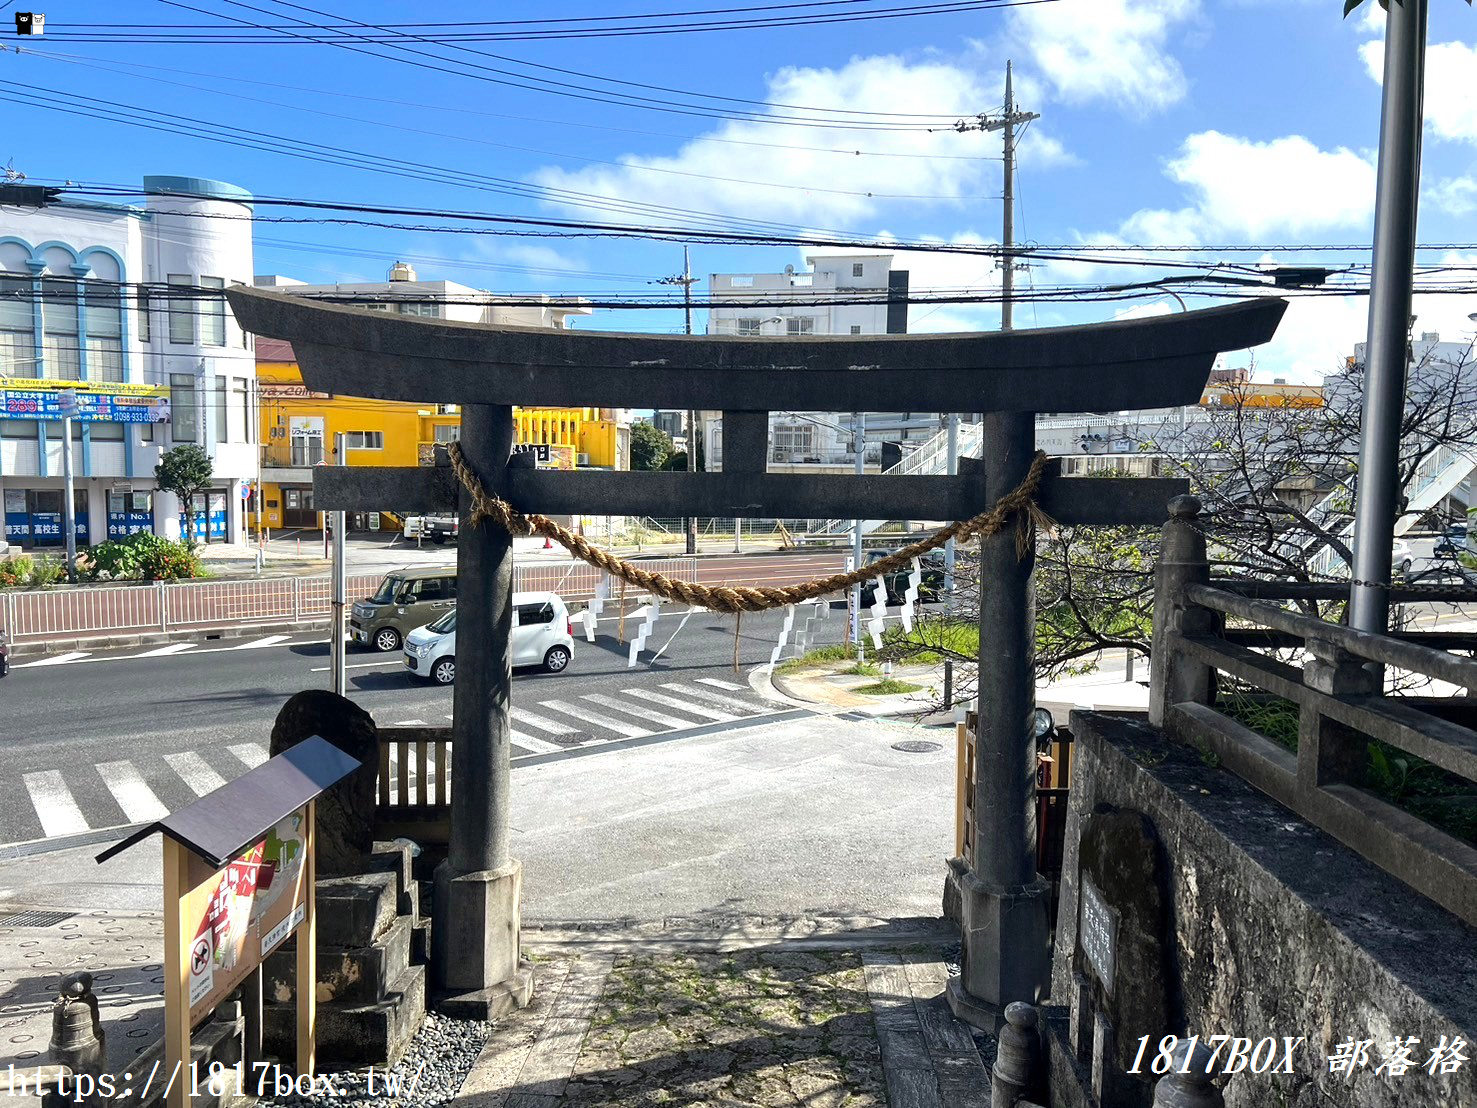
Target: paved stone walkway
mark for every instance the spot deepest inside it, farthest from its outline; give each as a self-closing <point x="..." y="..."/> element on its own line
<point x="773" y="1025"/>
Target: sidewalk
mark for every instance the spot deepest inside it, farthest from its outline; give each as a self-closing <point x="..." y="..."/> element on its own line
<point x="836" y="685"/>
<point x="814" y="834"/>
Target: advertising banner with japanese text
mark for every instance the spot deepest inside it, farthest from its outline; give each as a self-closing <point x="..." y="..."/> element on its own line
<point x="97" y="401"/>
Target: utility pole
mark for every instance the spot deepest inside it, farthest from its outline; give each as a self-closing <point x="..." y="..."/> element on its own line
<point x="1005" y="122"/>
<point x="339" y="600"/>
<point x="1003" y="899"/>
<point x="67" y="400"/>
<point x="1397" y="195"/>
<point x="686" y="280"/>
<point x="859" y="442"/>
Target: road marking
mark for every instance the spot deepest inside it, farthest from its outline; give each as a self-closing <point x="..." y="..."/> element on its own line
<point x="717" y="684"/>
<point x="251" y="755"/>
<point x="411" y="723"/>
<point x="535" y="746"/>
<point x="700" y="710"/>
<point x="131" y="792"/>
<point x="194" y="771"/>
<point x="57" y="811"/>
<point x="165" y="651"/>
<point x="543" y="723"/>
<point x="59" y="660"/>
<point x="257" y="644"/>
<point x="620" y="728"/>
<point x="660" y="718"/>
<point x="740" y="706"/>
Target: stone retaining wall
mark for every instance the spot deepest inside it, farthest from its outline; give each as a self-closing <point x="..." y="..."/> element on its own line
<point x="1276" y="929"/>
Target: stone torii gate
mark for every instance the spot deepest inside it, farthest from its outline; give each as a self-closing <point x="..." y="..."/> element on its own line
<point x="1008" y="376"/>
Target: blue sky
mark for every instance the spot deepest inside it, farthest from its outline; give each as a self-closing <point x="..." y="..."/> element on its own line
<point x="1164" y="122"/>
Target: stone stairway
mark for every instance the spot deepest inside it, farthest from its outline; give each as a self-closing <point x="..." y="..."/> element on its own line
<point x="372" y="954"/>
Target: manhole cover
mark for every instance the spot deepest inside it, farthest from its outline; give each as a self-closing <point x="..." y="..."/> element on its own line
<point x="33" y="919"/>
<point x="916" y="746"/>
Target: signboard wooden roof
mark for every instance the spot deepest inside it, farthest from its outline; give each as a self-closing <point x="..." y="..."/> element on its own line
<point x="220" y="825"/>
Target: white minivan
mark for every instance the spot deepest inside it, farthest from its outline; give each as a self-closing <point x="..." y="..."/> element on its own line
<point x="542" y="636"/>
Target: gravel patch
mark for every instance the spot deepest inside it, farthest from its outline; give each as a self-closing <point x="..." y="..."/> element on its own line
<point x="433" y="1069"/>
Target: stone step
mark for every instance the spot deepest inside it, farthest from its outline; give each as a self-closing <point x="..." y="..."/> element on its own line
<point x="355" y="1034"/>
<point x="420" y="943"/>
<point x="353" y="911"/>
<point x="354" y="975"/>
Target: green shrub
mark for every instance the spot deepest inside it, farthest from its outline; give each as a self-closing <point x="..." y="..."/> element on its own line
<point x="16" y="570"/>
<point x="142" y="556"/>
<point x="48" y="571"/>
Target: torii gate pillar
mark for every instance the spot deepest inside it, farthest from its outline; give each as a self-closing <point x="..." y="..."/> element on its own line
<point x="477" y="908"/>
<point x="1006" y="938"/>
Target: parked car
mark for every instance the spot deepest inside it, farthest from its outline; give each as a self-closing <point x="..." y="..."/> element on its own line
<point x="930" y="585"/>
<point x="1401" y="558"/>
<point x="542" y="636"/>
<point x="406" y="599"/>
<point x="1452" y="544"/>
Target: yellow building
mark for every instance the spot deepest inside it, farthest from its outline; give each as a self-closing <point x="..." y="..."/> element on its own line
<point x="298" y="429"/>
<point x="596" y="438"/>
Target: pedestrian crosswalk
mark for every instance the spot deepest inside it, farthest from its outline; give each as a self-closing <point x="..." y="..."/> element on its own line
<point x="76" y="799"/>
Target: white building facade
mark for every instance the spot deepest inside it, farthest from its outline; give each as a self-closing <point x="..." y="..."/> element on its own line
<point x="124" y="304"/>
<point x="817" y="303"/>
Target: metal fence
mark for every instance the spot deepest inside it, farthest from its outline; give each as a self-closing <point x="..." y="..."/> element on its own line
<point x="31" y="616"/>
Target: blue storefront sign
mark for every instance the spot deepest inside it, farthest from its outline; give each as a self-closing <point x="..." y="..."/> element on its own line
<point x="17" y="517"/>
<point x="129" y="513"/>
<point x="210" y="518"/>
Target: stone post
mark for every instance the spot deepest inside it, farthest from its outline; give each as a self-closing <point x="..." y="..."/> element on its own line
<point x="1003" y="901"/>
<point x="1174" y="679"/>
<point x="1330" y="752"/>
<point x="475" y="937"/>
<point x="1018" y="1072"/>
<point x="1192" y="1088"/>
<point x="76" y="1029"/>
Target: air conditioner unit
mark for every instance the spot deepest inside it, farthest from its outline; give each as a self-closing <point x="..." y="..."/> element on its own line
<point x="582" y="459"/>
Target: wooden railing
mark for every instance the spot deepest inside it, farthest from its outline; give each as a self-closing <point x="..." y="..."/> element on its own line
<point x="414" y="787"/>
<point x="1336" y="682"/>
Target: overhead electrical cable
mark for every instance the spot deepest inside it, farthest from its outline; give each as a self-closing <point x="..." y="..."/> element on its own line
<point x="121" y="66"/>
<point x="628" y="166"/>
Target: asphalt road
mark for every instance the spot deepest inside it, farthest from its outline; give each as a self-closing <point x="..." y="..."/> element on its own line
<point x="104" y="741"/>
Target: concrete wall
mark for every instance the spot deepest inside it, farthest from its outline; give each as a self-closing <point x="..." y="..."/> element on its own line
<point x="1278" y="930"/>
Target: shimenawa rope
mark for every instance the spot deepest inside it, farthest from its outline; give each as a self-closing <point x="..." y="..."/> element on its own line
<point x="1019" y="503"/>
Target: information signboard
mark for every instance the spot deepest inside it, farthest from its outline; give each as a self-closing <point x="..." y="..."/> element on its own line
<point x="96" y="401"/>
<point x="238" y="880"/>
<point x="238" y="914"/>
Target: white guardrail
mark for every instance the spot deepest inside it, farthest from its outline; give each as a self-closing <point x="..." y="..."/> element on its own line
<point x="39" y="614"/>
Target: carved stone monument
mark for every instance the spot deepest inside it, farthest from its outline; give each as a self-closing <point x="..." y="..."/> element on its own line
<point x="1121" y="966"/>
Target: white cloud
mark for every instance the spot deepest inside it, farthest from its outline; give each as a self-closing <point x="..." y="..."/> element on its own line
<point x="1455" y="195"/>
<point x="716" y="176"/>
<point x="1240" y="188"/>
<point x="1113" y="50"/>
<point x="1450" y="104"/>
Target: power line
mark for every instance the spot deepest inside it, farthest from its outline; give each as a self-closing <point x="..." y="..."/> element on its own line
<point x="121" y="66"/>
<point x="203" y="34"/>
<point x="630" y="167"/>
<point x="509" y="78"/>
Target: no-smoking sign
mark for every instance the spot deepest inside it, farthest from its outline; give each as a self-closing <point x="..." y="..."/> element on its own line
<point x="202" y="969"/>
